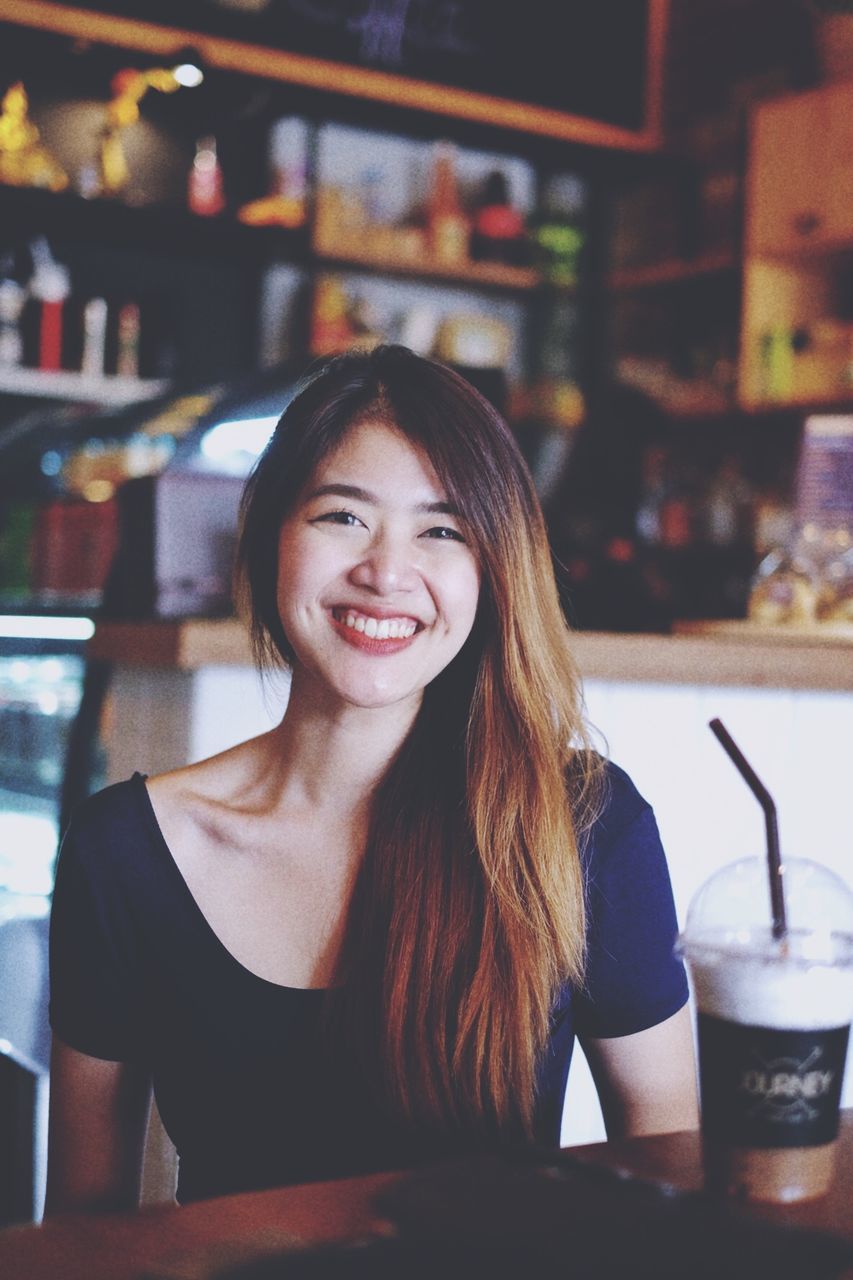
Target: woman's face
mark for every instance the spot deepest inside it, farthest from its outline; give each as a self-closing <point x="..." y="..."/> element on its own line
<point x="377" y="583"/>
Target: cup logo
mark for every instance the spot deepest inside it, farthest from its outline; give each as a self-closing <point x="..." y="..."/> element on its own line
<point x="765" y="1087"/>
<point x="786" y="1090"/>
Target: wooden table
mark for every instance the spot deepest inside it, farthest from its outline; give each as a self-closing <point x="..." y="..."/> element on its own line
<point x="176" y="1240"/>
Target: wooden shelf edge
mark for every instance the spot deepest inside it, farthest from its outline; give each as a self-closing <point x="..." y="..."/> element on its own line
<point x="710" y="660"/>
<point x="486" y="273"/>
<point x="63" y="385"/>
<point x="738" y="631"/>
<point x="180" y="644"/>
<point x="754" y="660"/>
<point x="227" y="54"/>
<point x="673" y="271"/>
<point x="805" y="406"/>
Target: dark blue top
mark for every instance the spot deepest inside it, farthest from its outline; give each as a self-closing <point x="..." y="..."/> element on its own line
<point x="245" y="1087"/>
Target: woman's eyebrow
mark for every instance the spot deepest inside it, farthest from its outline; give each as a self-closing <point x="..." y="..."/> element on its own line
<point x="364" y="495"/>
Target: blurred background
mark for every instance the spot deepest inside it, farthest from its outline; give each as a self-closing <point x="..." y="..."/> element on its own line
<point x="629" y="223"/>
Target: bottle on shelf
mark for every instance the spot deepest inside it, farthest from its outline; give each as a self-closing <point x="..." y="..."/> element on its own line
<point x="93" y="359"/>
<point x="48" y="287"/>
<point x="498" y="230"/>
<point x="448" y="227"/>
<point x="558" y="233"/>
<point x="205" y="189"/>
<point x="12" y="300"/>
<point x="127" y="352"/>
<point x="729" y="506"/>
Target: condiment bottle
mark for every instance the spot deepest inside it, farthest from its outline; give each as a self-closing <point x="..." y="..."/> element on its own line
<point x="205" y="195"/>
<point x="447" y="225"/>
<point x="498" y="232"/>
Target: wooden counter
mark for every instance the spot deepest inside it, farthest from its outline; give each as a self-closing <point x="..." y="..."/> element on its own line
<point x="184" y="1243"/>
<point x="730" y="653"/>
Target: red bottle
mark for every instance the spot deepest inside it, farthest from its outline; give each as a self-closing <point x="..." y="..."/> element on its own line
<point x="205" y="194"/>
<point x="498" y="233"/>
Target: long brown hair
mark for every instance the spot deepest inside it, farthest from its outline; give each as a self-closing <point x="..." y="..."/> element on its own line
<point x="468" y="911"/>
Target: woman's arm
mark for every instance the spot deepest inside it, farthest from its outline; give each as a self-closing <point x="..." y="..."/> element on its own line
<point x="98" y="1117"/>
<point x="646" y="1082"/>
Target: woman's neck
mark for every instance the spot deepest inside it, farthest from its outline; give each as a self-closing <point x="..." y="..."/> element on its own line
<point x="334" y="753"/>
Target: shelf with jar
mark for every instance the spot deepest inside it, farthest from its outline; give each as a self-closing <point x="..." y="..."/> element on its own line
<point x="251" y="235"/>
<point x="676" y="343"/>
<point x="291" y="202"/>
<point x="673" y="277"/>
<point x="797" y="340"/>
<point x="437" y="210"/>
<point x="456" y="252"/>
<point x="797" y="318"/>
<point x="253" y="238"/>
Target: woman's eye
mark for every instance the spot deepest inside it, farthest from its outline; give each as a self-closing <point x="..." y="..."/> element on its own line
<point x="337" y="517"/>
<point x="444" y="534"/>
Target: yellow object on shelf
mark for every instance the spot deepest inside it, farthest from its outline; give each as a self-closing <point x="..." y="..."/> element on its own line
<point x="24" y="161"/>
<point x="273" y="211"/>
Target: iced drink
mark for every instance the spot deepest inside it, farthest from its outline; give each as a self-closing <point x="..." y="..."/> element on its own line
<point x="773" y="1021"/>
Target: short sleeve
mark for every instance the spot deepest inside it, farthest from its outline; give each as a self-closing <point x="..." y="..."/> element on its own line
<point x="95" y="1002"/>
<point x="633" y="978"/>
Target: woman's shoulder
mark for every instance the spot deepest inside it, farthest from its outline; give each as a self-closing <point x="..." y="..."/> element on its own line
<point x="622" y="803"/>
<point x="110" y="841"/>
<point x="213" y="778"/>
<point x="205" y="799"/>
<point x="605" y="793"/>
<point x="110" y="811"/>
<point x="618" y="811"/>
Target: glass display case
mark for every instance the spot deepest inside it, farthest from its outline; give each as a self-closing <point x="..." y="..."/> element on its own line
<point x="41" y="682"/>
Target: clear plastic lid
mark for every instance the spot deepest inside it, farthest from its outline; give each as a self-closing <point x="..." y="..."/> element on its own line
<point x="732" y="911"/>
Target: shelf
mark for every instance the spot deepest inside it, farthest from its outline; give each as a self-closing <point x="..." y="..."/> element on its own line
<point x="837" y="635"/>
<point x="743" y="657"/>
<point x="77" y="386"/>
<point x="673" y="272"/>
<point x="481" y="274"/>
<point x="688" y="399"/>
<point x="27" y="212"/>
<point x="803" y="406"/>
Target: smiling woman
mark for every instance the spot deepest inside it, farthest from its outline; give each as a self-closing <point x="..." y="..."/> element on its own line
<point x="369" y="937"/>
<point x="363" y="565"/>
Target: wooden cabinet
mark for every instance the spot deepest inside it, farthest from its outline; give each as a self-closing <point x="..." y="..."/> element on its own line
<point x="787" y="161"/>
<point x="800" y="175"/>
<point x="796" y="335"/>
<point x="840" y="176"/>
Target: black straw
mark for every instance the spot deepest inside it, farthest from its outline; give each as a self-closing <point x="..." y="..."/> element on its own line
<point x="764" y="798"/>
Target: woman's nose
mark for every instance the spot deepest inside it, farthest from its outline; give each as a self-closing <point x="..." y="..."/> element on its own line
<point x="387" y="567"/>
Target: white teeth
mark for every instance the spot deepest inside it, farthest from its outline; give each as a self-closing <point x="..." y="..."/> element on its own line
<point x="386" y="629"/>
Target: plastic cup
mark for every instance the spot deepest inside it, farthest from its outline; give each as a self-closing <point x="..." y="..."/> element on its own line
<point x="773" y="1024"/>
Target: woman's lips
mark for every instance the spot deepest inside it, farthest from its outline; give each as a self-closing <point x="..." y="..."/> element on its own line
<point x="372" y="634"/>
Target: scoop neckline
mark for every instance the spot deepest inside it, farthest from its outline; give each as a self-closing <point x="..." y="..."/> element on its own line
<point x="140" y="781"/>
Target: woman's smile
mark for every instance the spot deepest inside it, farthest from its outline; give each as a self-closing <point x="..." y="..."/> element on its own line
<point x="374" y="634"/>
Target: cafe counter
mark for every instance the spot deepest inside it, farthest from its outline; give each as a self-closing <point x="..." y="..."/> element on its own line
<point x="181" y="691"/>
<point x="646" y="1231"/>
<point x="733" y="654"/>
